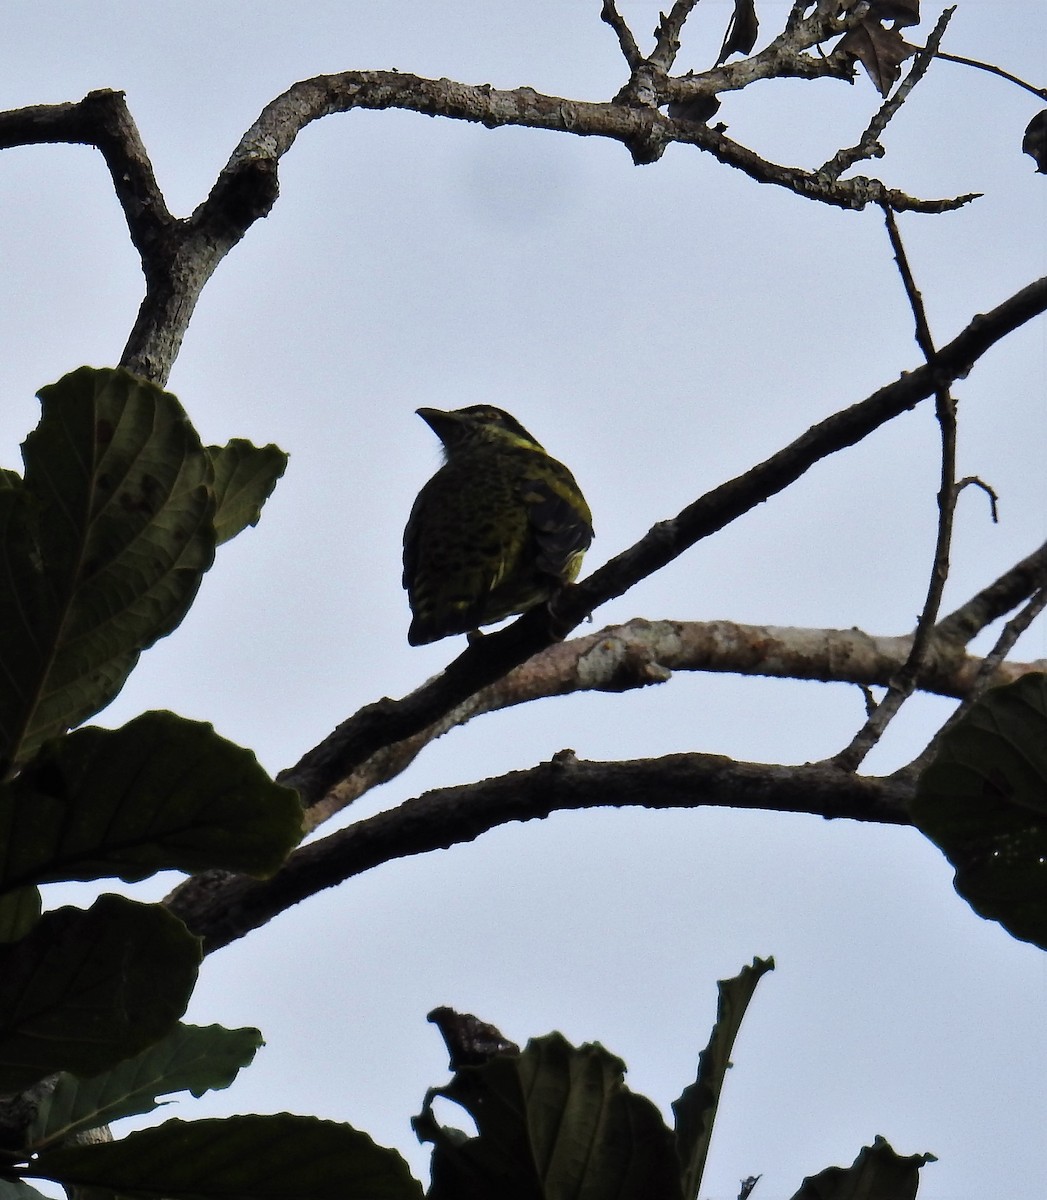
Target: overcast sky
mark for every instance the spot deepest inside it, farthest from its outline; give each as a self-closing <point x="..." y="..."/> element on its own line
<point x="660" y="329"/>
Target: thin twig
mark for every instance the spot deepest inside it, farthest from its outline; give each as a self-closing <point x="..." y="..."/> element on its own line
<point x="868" y="145"/>
<point x="973" y="481"/>
<point x="993" y="70"/>
<point x="904" y="683"/>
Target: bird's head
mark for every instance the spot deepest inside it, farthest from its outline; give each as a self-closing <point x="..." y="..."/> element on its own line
<point x="480" y="424"/>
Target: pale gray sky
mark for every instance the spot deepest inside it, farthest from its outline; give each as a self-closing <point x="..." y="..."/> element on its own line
<point x="660" y="329"/>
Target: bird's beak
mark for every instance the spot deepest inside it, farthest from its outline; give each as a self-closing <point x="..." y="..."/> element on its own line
<point x="439" y="422"/>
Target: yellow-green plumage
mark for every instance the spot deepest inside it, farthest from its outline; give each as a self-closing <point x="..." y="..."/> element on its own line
<point x="498" y="529"/>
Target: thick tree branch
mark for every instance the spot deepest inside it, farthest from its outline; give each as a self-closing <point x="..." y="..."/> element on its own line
<point x="101" y="120"/>
<point x="180" y="255"/>
<point x="641" y="653"/>
<point x="229" y="906"/>
<point x="224" y="907"/>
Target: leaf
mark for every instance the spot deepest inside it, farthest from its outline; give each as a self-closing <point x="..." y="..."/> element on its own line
<point x="15" y="1189"/>
<point x="19" y="912"/>
<point x="284" y="1157"/>
<point x="553" y="1121"/>
<point x="983" y="802"/>
<point x="469" y="1040"/>
<point x="160" y="793"/>
<point x="191" y="1058"/>
<point x="878" y="1173"/>
<point x="102" y="548"/>
<point x="84" y="990"/>
<point x="1035" y="141"/>
<point x="741" y="32"/>
<point x="880" y="51"/>
<point x="695" y="1110"/>
<point x="901" y="12"/>
<point x="244" y="478"/>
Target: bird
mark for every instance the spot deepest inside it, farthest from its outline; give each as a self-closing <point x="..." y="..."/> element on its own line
<point x="500" y="528"/>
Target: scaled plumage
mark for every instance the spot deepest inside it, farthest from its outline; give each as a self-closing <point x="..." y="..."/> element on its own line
<point x="498" y="529"/>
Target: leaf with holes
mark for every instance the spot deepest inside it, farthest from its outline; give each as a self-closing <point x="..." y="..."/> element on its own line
<point x="555" y="1120"/>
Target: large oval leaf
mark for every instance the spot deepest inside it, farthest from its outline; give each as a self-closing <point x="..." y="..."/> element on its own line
<point x="102" y="548"/>
<point x="162" y="792"/>
<point x="241" y="1158"/>
<point x="84" y="990"/>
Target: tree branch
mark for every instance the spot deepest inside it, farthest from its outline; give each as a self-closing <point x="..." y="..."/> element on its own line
<point x="180" y="255"/>
<point x="388" y="721"/>
<point x="985" y="678"/>
<point x="610" y="15"/>
<point x="223" y="906"/>
<point x="101" y="120"/>
<point x="667" y="35"/>
<point x="993" y="70"/>
<point x="231" y="906"/>
<point x="641" y="653"/>
<point x="868" y="145"/>
<point x="997" y="599"/>
<point x="902" y="685"/>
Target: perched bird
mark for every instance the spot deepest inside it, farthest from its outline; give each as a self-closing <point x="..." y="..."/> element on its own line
<point x="498" y="529"/>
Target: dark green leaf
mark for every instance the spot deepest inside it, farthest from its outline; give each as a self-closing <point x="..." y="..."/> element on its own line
<point x="241" y="1158"/>
<point x="84" y="990"/>
<point x="19" y="911"/>
<point x="162" y="792"/>
<point x="553" y="1121"/>
<point x="244" y="478"/>
<point x="878" y="1173"/>
<point x="102" y="549"/>
<point x="983" y="802"/>
<point x="191" y="1058"/>
<point x="695" y="1110"/>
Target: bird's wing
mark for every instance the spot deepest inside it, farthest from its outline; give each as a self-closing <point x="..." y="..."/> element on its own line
<point x="561" y="523"/>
